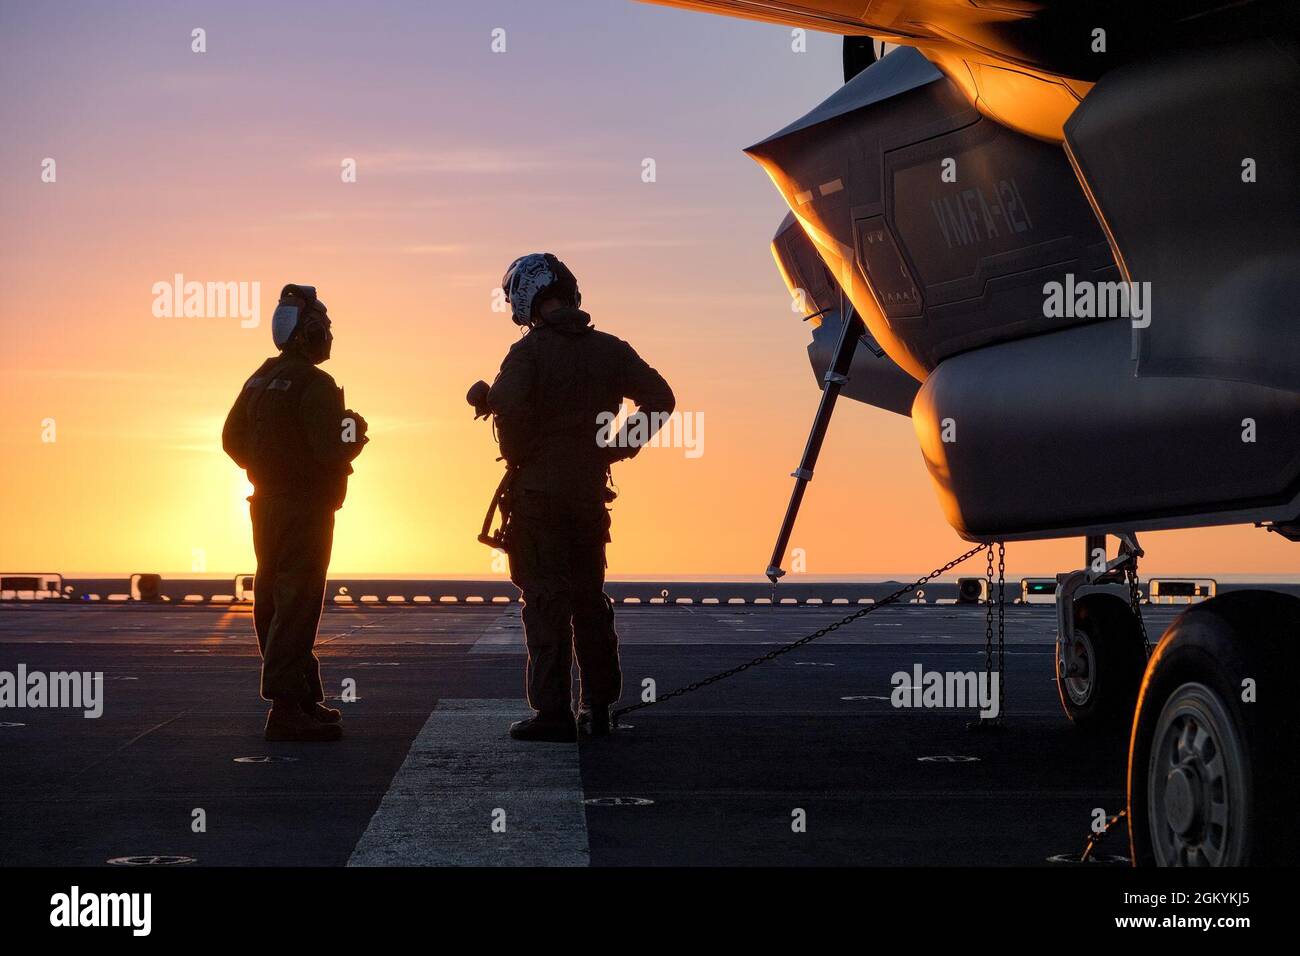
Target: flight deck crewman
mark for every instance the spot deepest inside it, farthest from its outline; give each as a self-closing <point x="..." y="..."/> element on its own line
<point x="289" y="428"/>
<point x="548" y="400"/>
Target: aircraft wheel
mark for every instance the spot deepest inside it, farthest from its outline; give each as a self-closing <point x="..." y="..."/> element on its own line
<point x="1214" y="779"/>
<point x="1098" y="673"/>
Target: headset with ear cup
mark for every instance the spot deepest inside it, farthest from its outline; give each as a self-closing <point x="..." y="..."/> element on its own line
<point x="295" y="312"/>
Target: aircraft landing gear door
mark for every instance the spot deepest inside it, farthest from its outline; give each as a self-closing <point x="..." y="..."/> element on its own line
<point x="834" y="380"/>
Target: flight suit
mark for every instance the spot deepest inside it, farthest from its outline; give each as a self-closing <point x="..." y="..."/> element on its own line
<point x="547" y="398"/>
<point x="286" y="429"/>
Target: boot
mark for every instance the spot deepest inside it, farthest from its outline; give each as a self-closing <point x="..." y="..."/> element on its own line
<point x="594" y="721"/>
<point x="558" y="728"/>
<point x="288" y="722"/>
<point x="318" y="711"/>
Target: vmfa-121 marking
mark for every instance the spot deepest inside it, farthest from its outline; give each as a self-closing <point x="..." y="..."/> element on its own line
<point x="972" y="216"/>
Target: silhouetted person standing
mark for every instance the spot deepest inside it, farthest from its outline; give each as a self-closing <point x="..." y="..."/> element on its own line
<point x="289" y="428"/>
<point x="548" y="400"/>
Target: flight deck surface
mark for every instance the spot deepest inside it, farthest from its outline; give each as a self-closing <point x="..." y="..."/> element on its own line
<point x="713" y="777"/>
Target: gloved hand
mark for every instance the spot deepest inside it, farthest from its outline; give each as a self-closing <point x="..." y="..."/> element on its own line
<point x="478" y="396"/>
<point x="361" y="425"/>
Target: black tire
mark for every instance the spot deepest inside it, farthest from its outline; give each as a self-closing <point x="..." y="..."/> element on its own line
<point x="1224" y="785"/>
<point x="1108" y="643"/>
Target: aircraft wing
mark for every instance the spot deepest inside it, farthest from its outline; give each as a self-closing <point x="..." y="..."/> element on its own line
<point x="1055" y="37"/>
<point x="827" y="16"/>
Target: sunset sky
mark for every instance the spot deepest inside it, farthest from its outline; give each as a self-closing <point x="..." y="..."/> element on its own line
<point x="224" y="166"/>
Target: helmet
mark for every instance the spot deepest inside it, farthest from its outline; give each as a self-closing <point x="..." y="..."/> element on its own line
<point x="531" y="275"/>
<point x="297" y="307"/>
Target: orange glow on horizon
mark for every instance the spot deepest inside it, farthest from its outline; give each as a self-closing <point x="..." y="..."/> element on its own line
<point x="226" y="168"/>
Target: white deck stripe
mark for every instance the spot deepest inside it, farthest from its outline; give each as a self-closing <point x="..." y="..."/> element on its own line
<point x="461" y="766"/>
<point x="504" y="636"/>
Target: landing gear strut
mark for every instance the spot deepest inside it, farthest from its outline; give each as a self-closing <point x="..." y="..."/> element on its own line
<point x="1101" y="645"/>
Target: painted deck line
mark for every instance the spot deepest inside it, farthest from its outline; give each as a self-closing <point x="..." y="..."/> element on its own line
<point x="461" y="771"/>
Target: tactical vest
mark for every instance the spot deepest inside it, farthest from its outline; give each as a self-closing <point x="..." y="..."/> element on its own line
<point x="280" y="458"/>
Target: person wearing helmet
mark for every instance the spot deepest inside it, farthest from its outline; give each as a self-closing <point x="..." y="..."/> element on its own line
<point x="555" y="386"/>
<point x="290" y="430"/>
